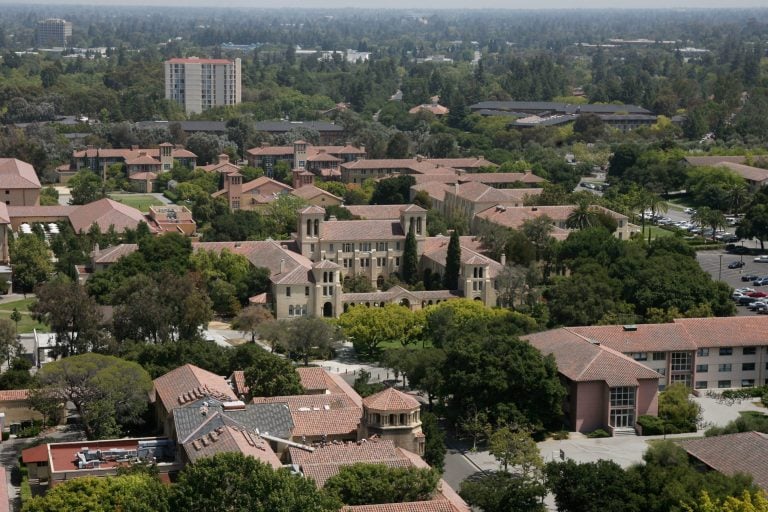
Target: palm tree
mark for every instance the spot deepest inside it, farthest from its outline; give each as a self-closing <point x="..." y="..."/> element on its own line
<point x="737" y="196"/>
<point x="639" y="203"/>
<point x="657" y="205"/>
<point x="709" y="217"/>
<point x="582" y="217"/>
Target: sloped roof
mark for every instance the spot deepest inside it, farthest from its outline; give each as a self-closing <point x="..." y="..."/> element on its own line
<point x="314" y="378"/>
<point x="15" y="173"/>
<point x="644" y="337"/>
<point x="310" y="191"/>
<point x="317" y="415"/>
<point x="514" y="216"/>
<point x="187" y="383"/>
<point x="391" y="399"/>
<point x="142" y="160"/>
<point x="142" y="176"/>
<point x="582" y="361"/>
<point x="502" y="177"/>
<point x="747" y="172"/>
<point x="13" y="394"/>
<point x="105" y="212"/>
<point x="746" y="452"/>
<point x="436" y="249"/>
<point x="356" y="230"/>
<point x="376" y="211"/>
<point x="191" y="423"/>
<point x="435" y="189"/>
<point x="262" y="181"/>
<point x="440" y="505"/>
<point x="226" y="439"/>
<point x="736" y="331"/>
<point x="37" y="453"/>
<point x="476" y="192"/>
<point x="464" y="163"/>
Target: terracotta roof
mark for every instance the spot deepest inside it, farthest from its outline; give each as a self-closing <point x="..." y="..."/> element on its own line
<point x="356" y="230"/>
<point x="316" y="379"/>
<point x="314" y="153"/>
<point x="15" y="173"/>
<point x="747" y="172"/>
<point x="502" y="177"/>
<point x="37" y="453"/>
<point x="391" y="399"/>
<point x="713" y="160"/>
<point x="227" y="439"/>
<point x="271" y="151"/>
<point x="323" y="157"/>
<point x="188" y="383"/>
<point x="310" y="191"/>
<point x="375" y="450"/>
<point x="58" y="210"/>
<point x="142" y="160"/>
<point x="645" y="337"/>
<point x="746" y="452"/>
<point x="376" y="211"/>
<point x="436" y="249"/>
<point x="127" y="154"/>
<point x="439" y="505"/>
<point x="396" y="293"/>
<point x="464" y="163"/>
<point x="476" y="192"/>
<point x="13" y="394"/>
<point x="436" y="190"/>
<point x="582" y="361"/>
<point x="513" y="217"/>
<point x="312" y="209"/>
<point x="237" y="380"/>
<point x="262" y="181"/>
<point x="222" y="167"/>
<point x="142" y="176"/>
<point x="318" y="415"/>
<point x="105" y="212"/>
<point x="326" y="264"/>
<point x="736" y="331"/>
<point x="412" y="164"/>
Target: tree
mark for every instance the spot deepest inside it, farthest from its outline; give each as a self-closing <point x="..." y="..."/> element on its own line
<point x="16" y="318"/>
<point x="504" y="492"/>
<point x="250" y="485"/>
<point x="748" y="502"/>
<point x="371" y="484"/>
<point x="434" y="444"/>
<point x="677" y="409"/>
<point x="398" y="146"/>
<point x="475" y="424"/>
<point x="107" y="392"/>
<point x="71" y="313"/>
<point x="250" y="319"/>
<point x="657" y="205"/>
<point x="410" y="268"/>
<point x="538" y="231"/>
<point x="393" y="190"/>
<point x="709" y="217"/>
<point x="31" y="262"/>
<point x="591" y="487"/>
<point x="85" y="187"/>
<point x="208" y="146"/>
<point x="583" y="216"/>
<point x="516" y="448"/>
<point x="306" y="336"/>
<point x="271" y="375"/>
<point x="369" y="327"/>
<point x="49" y="196"/>
<point x="755" y="224"/>
<point x="358" y="283"/>
<point x="9" y="344"/>
<point x="452" y="263"/>
<point x="588" y="127"/>
<point x="135" y="492"/>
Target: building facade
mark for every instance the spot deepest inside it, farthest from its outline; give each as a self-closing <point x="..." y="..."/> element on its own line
<point x="199" y="84"/>
<point x="53" y="32"/>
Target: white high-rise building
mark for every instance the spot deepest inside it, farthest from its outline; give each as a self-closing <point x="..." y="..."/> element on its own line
<point x="200" y="84"/>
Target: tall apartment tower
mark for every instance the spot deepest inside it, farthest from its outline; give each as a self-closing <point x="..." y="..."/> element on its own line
<point x="200" y="84"/>
<point x="53" y="32"/>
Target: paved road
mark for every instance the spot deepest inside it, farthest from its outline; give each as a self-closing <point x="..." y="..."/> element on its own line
<point x="716" y="264"/>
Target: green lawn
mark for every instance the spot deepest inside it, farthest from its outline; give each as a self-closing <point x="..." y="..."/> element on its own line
<point x="656" y="232"/>
<point x="26" y="324"/>
<point x="141" y="202"/>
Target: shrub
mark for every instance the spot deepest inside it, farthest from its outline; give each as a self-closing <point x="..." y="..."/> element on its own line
<point x="561" y="435"/>
<point x="595" y="434"/>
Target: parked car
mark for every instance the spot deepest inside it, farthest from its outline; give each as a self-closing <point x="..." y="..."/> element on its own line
<point x="757" y="305"/>
<point x="736" y="264"/>
<point x="737" y="249"/>
<point x="745" y="290"/>
<point x="749" y="277"/>
<point x="746" y="300"/>
<point x="758" y="295"/>
<point x="762" y="311"/>
<point x="763" y="258"/>
<point x="689" y="211"/>
<point x="760" y="281"/>
<point x="730" y="238"/>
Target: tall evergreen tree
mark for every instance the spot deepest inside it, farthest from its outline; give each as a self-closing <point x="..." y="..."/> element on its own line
<point x="410" y="268"/>
<point x="452" y="263"/>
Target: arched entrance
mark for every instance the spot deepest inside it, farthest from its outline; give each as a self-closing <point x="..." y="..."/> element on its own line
<point x="406" y="303"/>
<point x="380" y="282"/>
<point x="328" y="310"/>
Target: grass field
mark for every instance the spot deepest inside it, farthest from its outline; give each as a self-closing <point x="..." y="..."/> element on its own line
<point x="656" y="232"/>
<point x="141" y="202"/>
<point x="26" y="324"/>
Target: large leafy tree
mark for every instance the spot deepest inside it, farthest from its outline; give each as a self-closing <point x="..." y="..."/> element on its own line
<point x="306" y="336"/>
<point x="370" y="327"/>
<point x="31" y="262"/>
<point x="136" y="492"/>
<point x="108" y="393"/>
<point x="250" y="319"/>
<point x="71" y="313"/>
<point x="592" y="487"/>
<point x="371" y="484"/>
<point x="232" y="481"/>
<point x="85" y="187"/>
<point x="269" y="374"/>
<point x="504" y="492"/>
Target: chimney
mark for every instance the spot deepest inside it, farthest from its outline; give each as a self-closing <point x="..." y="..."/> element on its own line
<point x="419" y="158"/>
<point x="503" y="259"/>
<point x="282" y="265"/>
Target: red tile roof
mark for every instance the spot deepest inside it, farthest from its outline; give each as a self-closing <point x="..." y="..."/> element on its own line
<point x="746" y="452"/>
<point x="13" y="394"/>
<point x="737" y="331"/>
<point x="644" y="337"/>
<point x="105" y="212"/>
<point x="317" y="379"/>
<point x="317" y="415"/>
<point x="376" y="211"/>
<point x="439" y="505"/>
<point x="15" y="173"/>
<point x="37" y="453"/>
<point x="188" y="383"/>
<point x="582" y="361"/>
<point x="238" y="382"/>
<point x="309" y="192"/>
<point x="391" y="399"/>
<point x="357" y="230"/>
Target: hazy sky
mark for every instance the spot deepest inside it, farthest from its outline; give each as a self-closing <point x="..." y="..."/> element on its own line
<point x="429" y="4"/>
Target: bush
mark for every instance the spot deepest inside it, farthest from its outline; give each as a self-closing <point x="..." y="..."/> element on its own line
<point x="32" y="431"/>
<point x="655" y="426"/>
<point x="561" y="435"/>
<point x="596" y="434"/>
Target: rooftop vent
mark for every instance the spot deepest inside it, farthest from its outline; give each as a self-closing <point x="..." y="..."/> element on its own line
<point x="630" y="328"/>
<point x="235" y="405"/>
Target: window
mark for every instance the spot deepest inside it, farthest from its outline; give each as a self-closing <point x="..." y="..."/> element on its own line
<point x="288" y="291"/>
<point x="397" y="262"/>
<point x="381" y="262"/>
<point x="659" y="356"/>
<point x="365" y="246"/>
<point x="347" y="247"/>
<point x="681" y="361"/>
<point x="747" y="383"/>
<point x="381" y="246"/>
<point x="701" y="384"/>
<point x="747" y="367"/>
<point x="622" y="406"/>
<point x="365" y="262"/>
<point x="327" y="291"/>
<point x="702" y="368"/>
<point x="726" y="351"/>
<point x="306" y="291"/>
<point x="726" y="367"/>
<point x="749" y="351"/>
<point x="330" y="247"/>
<point x="397" y="246"/>
<point x="662" y="371"/>
<point x="639" y="356"/>
<point x="723" y="384"/>
<point x="702" y="352"/>
<point x="347" y="263"/>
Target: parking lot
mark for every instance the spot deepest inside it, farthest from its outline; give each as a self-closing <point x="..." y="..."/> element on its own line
<point x="716" y="264"/>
